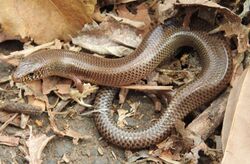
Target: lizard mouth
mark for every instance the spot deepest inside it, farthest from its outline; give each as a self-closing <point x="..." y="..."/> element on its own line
<point x="27" y="78"/>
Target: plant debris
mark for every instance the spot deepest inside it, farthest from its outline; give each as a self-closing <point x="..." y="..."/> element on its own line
<point x="35" y="145"/>
<point x="33" y="19"/>
<point x="114" y="29"/>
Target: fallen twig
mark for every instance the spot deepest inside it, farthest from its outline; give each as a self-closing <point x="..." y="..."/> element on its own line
<point x="8" y="122"/>
<point x="9" y="140"/>
<point x="4" y="116"/>
<point x="15" y="107"/>
<point x="148" y="87"/>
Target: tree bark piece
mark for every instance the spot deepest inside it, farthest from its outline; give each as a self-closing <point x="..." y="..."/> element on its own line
<point x="206" y="123"/>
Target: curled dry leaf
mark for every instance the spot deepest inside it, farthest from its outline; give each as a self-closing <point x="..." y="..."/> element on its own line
<point x="45" y="20"/>
<point x="236" y="29"/>
<point x="228" y="14"/>
<point x="109" y="37"/>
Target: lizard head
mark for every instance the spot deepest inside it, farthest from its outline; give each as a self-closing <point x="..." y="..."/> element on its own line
<point x="30" y="68"/>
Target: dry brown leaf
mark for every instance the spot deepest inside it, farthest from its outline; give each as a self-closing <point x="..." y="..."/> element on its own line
<point x="141" y="15"/>
<point x="76" y="135"/>
<point x="36" y="102"/>
<point x="228" y="14"/>
<point x="49" y="84"/>
<point x="35" y="145"/>
<point x="98" y="16"/>
<point x="165" y="10"/>
<point x="236" y="29"/>
<point x="31" y="88"/>
<point x="109" y="37"/>
<point x="45" y="20"/>
<point x="64" y="86"/>
<point x="235" y="132"/>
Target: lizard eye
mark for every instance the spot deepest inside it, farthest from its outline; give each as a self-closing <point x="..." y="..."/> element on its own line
<point x="31" y="74"/>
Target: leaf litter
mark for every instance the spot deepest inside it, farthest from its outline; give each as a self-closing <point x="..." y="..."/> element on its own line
<point x="46" y="20"/>
<point x="117" y="34"/>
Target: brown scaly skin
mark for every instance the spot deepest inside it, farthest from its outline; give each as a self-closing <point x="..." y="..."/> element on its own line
<point x="160" y="44"/>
